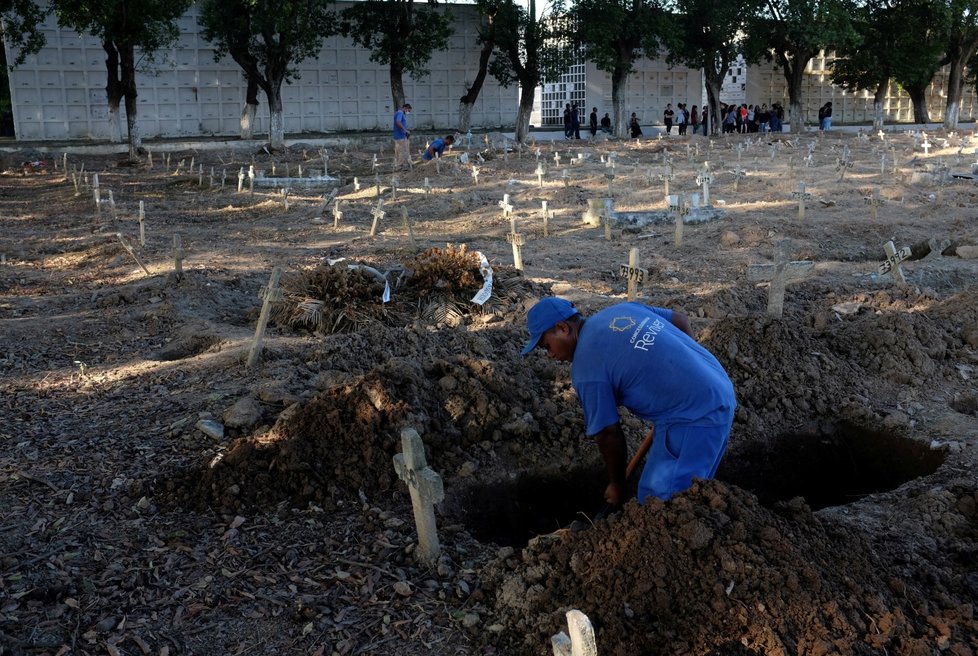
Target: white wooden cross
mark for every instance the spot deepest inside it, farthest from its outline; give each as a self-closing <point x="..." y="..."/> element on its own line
<point x="738" y="176"/>
<point x="843" y="164"/>
<point x="241" y="177"/>
<point x="378" y="214"/>
<point x="251" y="179"/>
<point x="270" y="294"/>
<point x="557" y="159"/>
<point x="633" y="273"/>
<point x="518" y="241"/>
<point x="96" y="194"/>
<point x="881" y="135"/>
<point x="475" y="174"/>
<point x="356" y="183"/>
<point x="704" y="179"/>
<point x="875" y="201"/>
<point x="505" y="206"/>
<point x="581" y="640"/>
<point x="426" y="490"/>
<point x="779" y="275"/>
<point x="801" y="195"/>
<point x="539" y="173"/>
<point x="337" y="213"/>
<point x="892" y="263"/>
<point x="926" y="145"/>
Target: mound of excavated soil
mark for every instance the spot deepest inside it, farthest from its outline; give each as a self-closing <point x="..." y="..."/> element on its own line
<point x="713" y="572"/>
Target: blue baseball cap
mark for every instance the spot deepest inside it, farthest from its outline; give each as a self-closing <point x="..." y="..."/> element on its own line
<point x="543" y="316"/>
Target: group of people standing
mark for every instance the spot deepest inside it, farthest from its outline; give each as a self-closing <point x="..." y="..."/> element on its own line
<point x="752" y="118"/>
<point x="682" y="118"/>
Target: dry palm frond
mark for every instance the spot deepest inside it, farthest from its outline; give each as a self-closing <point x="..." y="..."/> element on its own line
<point x="334" y="300"/>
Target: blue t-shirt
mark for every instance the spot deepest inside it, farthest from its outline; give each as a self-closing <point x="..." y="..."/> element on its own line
<point x="631" y="355"/>
<point x="400" y="117"/>
<point x="438" y="146"/>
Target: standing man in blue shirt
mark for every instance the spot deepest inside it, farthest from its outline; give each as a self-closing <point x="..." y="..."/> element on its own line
<point x="402" y="148"/>
<point x="645" y="359"/>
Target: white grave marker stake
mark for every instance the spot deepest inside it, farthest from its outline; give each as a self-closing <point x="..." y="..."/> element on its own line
<point x="378" y="214"/>
<point x="581" y="640"/>
<point x="704" y="179"/>
<point x="270" y="294"/>
<point x="506" y="207"/>
<point x="337" y="213"/>
<point x="539" y="173"/>
<point x="547" y="215"/>
<point x="426" y="490"/>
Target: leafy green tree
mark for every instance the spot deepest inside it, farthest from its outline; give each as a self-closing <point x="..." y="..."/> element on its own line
<point x="123" y="26"/>
<point x="887" y="51"/>
<point x="20" y="26"/>
<point x="267" y="38"/>
<point x="613" y="34"/>
<point x="960" y="47"/>
<point x="528" y="50"/>
<point x="708" y="36"/>
<point x="400" y="34"/>
<point x="792" y="32"/>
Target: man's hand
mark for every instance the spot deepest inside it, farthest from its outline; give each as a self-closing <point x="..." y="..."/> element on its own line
<point x="614" y="495"/>
<point x="611" y="442"/>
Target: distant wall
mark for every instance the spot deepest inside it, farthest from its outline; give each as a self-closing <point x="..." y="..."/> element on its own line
<point x="766" y="84"/>
<point x="59" y="93"/>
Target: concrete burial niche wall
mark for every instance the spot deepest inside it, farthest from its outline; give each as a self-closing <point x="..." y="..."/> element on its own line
<point x="652" y="86"/>
<point x="60" y="92"/>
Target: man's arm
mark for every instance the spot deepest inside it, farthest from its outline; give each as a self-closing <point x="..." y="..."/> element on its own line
<point x="681" y="321"/>
<point x="611" y="442"/>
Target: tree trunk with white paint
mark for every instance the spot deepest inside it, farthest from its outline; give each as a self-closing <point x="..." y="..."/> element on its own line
<point x="619" y="86"/>
<point x="250" y="109"/>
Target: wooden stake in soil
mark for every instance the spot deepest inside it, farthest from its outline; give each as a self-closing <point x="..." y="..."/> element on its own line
<point x="801" y="195"/>
<point x="426" y="187"/>
<point x="539" y="173"/>
<point x="547" y="216"/>
<point x="142" y="224"/>
<point x="409" y="228"/>
<point x="779" y="274"/>
<point x="704" y="179"/>
<point x="112" y="207"/>
<point x="581" y="640"/>
<point x="680" y="208"/>
<point x="738" y="176"/>
<point x="178" y="255"/>
<point x="270" y="294"/>
<point x="518" y="241"/>
<point x="893" y="259"/>
<point x="337" y="213"/>
<point x="426" y="490"/>
<point x="241" y="177"/>
<point x="285" y="198"/>
<point x="125" y="244"/>
<point x="378" y="214"/>
<point x="633" y="274"/>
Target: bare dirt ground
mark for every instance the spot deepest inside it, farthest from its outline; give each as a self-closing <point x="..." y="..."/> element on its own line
<point x="844" y="520"/>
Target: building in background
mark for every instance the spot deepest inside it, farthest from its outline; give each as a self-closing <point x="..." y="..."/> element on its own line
<point x="59" y="93"/>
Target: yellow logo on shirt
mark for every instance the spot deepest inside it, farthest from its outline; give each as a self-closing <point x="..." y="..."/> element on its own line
<point x="621" y="324"/>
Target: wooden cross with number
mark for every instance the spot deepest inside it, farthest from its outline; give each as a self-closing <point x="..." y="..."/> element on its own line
<point x="633" y="273"/>
<point x="426" y="489"/>
<point x="666" y="177"/>
<point x="892" y="263"/>
<point x="739" y="175"/>
<point x="704" y="179"/>
<point x="875" y="201"/>
<point x="801" y="195"/>
<point x="679" y="207"/>
<point x="547" y="216"/>
<point x="779" y="275"/>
